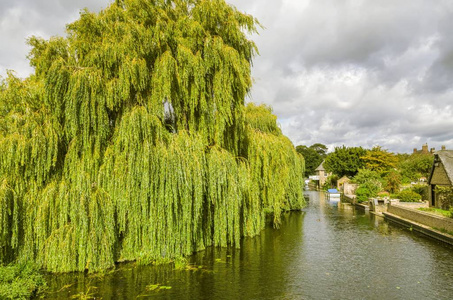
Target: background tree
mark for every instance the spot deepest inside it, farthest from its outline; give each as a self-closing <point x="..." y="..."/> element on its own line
<point x="345" y="161"/>
<point x="393" y="181"/>
<point x="415" y="166"/>
<point x="379" y="160"/>
<point x="313" y="156"/>
<point x="321" y="149"/>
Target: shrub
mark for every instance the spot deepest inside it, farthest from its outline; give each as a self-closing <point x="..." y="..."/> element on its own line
<point x="445" y="197"/>
<point x="420" y="189"/>
<point x="331" y="182"/>
<point x="20" y="281"/>
<point x="370" y="180"/>
<point x="383" y="194"/>
<point x="409" y="196"/>
<point x="363" y="194"/>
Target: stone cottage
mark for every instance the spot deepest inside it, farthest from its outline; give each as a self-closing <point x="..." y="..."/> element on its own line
<point x="441" y="180"/>
<point x="341" y="182"/>
<point x="322" y="174"/>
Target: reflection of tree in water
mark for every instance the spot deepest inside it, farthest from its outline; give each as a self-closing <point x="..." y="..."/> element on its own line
<point x="383" y="228"/>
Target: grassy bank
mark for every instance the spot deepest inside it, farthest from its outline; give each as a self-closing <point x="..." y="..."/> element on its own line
<point x="437" y="211"/>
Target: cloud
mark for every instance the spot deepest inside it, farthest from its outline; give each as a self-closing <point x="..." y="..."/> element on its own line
<point x="20" y="19"/>
<point x="358" y="73"/>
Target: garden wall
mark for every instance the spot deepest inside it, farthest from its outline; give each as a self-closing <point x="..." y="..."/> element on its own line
<point x="422" y="217"/>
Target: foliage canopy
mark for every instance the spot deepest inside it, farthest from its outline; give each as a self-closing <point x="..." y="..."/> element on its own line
<point x="131" y="141"/>
<point x="313" y="155"/>
<point x="370" y="183"/>
<point x="345" y="161"/>
<point x="379" y="160"/>
<point x="415" y="166"/>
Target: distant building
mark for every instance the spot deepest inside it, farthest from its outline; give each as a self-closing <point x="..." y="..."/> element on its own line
<point x="425" y="150"/>
<point x="341" y="182"/>
<point x="441" y="180"/>
<point x="321" y="174"/>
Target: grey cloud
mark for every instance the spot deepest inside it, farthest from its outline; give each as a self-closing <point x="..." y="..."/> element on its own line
<point x="333" y="33"/>
<point x="401" y="50"/>
<point x="440" y="76"/>
<point x="335" y="71"/>
<point x="22" y="18"/>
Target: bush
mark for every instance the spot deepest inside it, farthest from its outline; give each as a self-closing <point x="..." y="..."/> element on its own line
<point x="331" y="182"/>
<point x="383" y="194"/>
<point x="445" y="197"/>
<point x="363" y="194"/>
<point x="20" y="281"/>
<point x="393" y="181"/>
<point x="422" y="190"/>
<point x="409" y="196"/>
<point x="369" y="180"/>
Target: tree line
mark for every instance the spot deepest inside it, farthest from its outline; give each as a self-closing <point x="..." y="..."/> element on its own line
<point x="376" y="170"/>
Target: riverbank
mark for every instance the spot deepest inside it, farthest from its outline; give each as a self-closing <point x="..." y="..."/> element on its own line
<point x="409" y="216"/>
<point x="429" y="224"/>
<point x="351" y="199"/>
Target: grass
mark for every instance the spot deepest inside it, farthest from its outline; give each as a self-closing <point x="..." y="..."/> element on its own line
<point x="437" y="211"/>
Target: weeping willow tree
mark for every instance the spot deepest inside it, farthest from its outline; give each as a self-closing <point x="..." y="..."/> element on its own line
<point x="132" y="141"/>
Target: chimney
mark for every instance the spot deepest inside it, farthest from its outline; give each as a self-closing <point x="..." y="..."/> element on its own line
<point x="443" y="147"/>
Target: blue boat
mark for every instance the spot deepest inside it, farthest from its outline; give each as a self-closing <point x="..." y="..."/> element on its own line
<point x="333" y="194"/>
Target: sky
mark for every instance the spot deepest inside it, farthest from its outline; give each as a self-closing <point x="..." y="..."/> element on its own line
<point x="336" y="72"/>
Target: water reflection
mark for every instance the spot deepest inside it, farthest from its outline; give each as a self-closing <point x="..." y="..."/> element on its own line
<point x="330" y="250"/>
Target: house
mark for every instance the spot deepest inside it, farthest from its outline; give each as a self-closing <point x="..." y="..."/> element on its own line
<point x="441" y="180"/>
<point x="341" y="182"/>
<point x="321" y="174"/>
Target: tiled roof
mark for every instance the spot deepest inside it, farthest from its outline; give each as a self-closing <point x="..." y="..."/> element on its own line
<point x="446" y="157"/>
<point x="320" y="167"/>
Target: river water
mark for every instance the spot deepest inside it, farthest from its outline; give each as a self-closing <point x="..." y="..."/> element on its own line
<point x="330" y="250"/>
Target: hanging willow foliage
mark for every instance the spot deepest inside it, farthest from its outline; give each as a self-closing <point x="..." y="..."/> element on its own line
<point x="131" y="141"/>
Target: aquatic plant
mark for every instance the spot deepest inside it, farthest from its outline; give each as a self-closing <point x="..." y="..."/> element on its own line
<point x="132" y="140"/>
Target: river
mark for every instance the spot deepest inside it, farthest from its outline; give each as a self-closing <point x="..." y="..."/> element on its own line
<point x="329" y="250"/>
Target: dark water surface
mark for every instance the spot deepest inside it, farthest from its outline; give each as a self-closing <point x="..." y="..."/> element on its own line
<point x="327" y="251"/>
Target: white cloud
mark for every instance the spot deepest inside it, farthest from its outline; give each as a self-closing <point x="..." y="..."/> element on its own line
<point x="335" y="71"/>
<point x="20" y="19"/>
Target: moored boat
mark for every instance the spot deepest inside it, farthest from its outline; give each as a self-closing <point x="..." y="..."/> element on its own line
<point x="333" y="194"/>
